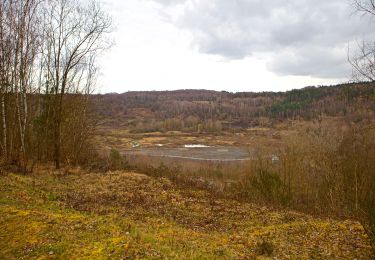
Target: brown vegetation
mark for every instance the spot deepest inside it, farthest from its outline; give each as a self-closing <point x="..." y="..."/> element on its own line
<point x="47" y="56"/>
<point x="76" y="214"/>
<point x="322" y="170"/>
<point x="200" y="111"/>
<point x="313" y="151"/>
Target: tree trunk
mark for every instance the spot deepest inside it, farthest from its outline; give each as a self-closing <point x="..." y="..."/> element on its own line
<point x="4" y="125"/>
<point x="57" y="137"/>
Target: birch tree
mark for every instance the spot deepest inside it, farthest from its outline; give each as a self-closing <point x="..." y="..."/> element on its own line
<point x="48" y="51"/>
<point x="19" y="34"/>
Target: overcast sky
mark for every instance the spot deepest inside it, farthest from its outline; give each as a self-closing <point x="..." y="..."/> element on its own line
<point x="232" y="45"/>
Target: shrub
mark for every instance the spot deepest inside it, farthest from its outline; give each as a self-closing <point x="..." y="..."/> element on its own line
<point x="116" y="161"/>
<point x="264" y="248"/>
<point x="267" y="184"/>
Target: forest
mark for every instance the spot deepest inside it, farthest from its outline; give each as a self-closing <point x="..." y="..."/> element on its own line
<point x="210" y="111"/>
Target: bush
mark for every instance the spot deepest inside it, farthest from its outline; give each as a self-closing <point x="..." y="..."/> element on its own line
<point x="116" y="161"/>
<point x="264" y="248"/>
<point x="268" y="184"/>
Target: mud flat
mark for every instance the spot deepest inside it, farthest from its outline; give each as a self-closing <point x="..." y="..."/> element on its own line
<point x="196" y="152"/>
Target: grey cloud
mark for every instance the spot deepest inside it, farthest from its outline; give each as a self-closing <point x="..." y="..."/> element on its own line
<point x="170" y="2"/>
<point x="316" y="62"/>
<point x="302" y="37"/>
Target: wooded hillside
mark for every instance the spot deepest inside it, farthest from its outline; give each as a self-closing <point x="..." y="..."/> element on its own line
<point x="196" y="110"/>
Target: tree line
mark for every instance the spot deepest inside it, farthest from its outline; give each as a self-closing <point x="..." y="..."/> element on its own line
<point x="48" y="50"/>
<point x="185" y="110"/>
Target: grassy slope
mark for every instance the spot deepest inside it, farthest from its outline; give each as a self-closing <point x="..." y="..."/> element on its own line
<point x="118" y="215"/>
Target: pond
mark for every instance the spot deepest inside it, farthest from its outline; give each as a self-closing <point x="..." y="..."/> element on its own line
<point x="196" y="152"/>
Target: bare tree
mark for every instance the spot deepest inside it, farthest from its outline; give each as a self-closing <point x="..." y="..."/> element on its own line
<point x="363" y="61"/>
<point x="48" y="50"/>
<point x="4" y="68"/>
<point x="19" y="34"/>
<point x="74" y="34"/>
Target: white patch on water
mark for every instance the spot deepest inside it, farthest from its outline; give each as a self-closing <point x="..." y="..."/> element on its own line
<point x="160" y="145"/>
<point x="196" y="146"/>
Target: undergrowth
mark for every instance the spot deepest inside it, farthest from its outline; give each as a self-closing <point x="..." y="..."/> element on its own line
<point x="74" y="213"/>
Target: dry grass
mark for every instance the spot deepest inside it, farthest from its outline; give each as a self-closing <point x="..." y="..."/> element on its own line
<point x="77" y="214"/>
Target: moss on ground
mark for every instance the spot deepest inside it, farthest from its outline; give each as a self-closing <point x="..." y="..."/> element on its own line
<point x="74" y="214"/>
